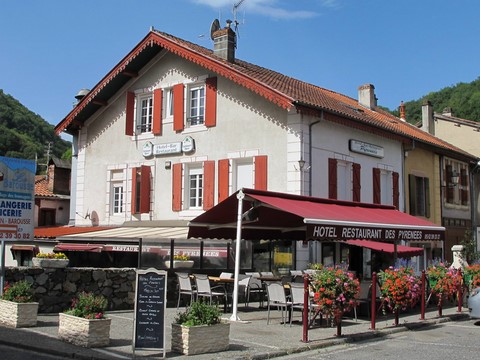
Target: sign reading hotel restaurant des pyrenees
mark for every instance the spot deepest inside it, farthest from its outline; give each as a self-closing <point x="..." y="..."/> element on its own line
<point x="366" y="148"/>
<point x="17" y="189"/>
<point x="345" y="232"/>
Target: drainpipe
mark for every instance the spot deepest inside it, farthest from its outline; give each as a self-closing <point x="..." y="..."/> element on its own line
<point x="310" y="152"/>
<point x="73" y="180"/>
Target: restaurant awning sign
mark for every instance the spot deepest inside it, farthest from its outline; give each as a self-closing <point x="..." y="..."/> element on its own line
<point x="17" y="190"/>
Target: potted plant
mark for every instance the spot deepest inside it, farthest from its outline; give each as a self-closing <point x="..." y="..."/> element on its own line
<point x="199" y="329"/>
<point x="335" y="292"/>
<point x="50" y="260"/>
<point x="180" y="261"/>
<point x="443" y="281"/>
<point x="84" y="324"/>
<point x="400" y="289"/>
<point x="17" y="308"/>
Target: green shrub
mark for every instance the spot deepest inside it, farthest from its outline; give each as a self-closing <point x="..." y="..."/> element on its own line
<point x="88" y="306"/>
<point x="19" y="292"/>
<point x="199" y="313"/>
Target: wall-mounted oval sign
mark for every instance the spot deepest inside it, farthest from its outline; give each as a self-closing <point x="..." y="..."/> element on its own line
<point x="188" y="144"/>
<point x="147" y="149"/>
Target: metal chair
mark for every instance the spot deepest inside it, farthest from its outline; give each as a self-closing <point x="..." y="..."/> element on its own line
<point x="243" y="287"/>
<point x="203" y="289"/>
<point x="184" y="287"/>
<point x="255" y="286"/>
<point x="297" y="292"/>
<point x="277" y="298"/>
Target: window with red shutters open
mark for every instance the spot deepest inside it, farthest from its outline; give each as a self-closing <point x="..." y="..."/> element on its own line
<point x="195" y="104"/>
<point x="144" y="113"/>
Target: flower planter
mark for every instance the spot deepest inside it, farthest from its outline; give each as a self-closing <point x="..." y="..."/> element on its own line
<point x="84" y="332"/>
<point x="50" y="263"/>
<point x="193" y="340"/>
<point x="180" y="264"/>
<point x="18" y="314"/>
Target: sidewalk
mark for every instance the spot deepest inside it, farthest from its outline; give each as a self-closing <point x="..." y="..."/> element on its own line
<point x="251" y="338"/>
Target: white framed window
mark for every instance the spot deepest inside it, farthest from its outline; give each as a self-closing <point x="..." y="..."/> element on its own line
<point x="344" y="180"/>
<point x="118" y="195"/>
<point x="242" y="174"/>
<point x="386" y="184"/>
<point x="195" y="188"/>
<point x="144" y="113"/>
<point x="196" y="105"/>
<point x="168" y="102"/>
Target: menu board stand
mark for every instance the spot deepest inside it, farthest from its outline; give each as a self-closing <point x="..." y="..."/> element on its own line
<point x="149" y="314"/>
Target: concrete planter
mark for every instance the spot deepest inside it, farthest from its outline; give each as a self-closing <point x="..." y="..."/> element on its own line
<point x="50" y="263"/>
<point x="84" y="332"/>
<point x="180" y="264"/>
<point x="201" y="339"/>
<point x="18" y="314"/>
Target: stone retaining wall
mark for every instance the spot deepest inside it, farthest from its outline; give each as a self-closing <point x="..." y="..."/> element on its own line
<point x="55" y="288"/>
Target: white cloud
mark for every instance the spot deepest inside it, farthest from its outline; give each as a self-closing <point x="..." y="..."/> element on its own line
<point x="270" y="8"/>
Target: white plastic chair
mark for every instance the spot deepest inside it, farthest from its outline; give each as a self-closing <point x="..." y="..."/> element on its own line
<point x="255" y="286"/>
<point x="205" y="290"/>
<point x="297" y="292"/>
<point x="184" y="287"/>
<point x="243" y="287"/>
<point x="277" y="298"/>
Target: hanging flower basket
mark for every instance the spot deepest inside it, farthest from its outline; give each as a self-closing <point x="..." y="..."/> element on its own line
<point x="335" y="292"/>
<point x="400" y="288"/>
<point x="443" y="281"/>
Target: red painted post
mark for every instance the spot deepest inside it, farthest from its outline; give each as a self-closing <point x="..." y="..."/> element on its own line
<point x="396" y="318"/>
<point x="422" y="303"/>
<point x="440" y="307"/>
<point x="373" y="308"/>
<point x="459" y="290"/>
<point x="305" y="308"/>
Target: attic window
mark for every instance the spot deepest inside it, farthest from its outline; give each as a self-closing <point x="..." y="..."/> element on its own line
<point x="357" y="110"/>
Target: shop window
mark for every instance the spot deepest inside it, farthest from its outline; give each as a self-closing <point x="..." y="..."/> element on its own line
<point x="328" y="254"/>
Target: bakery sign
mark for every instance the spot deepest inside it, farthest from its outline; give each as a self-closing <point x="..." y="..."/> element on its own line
<point x="187" y="145"/>
<point x="366" y="148"/>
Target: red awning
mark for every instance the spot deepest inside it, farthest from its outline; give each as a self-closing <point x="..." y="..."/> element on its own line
<point x="271" y="215"/>
<point x="402" y="251"/>
<point x="79" y="247"/>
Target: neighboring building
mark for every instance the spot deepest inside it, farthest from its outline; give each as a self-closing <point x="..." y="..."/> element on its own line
<point x="459" y="185"/>
<point x="175" y="128"/>
<point x="52" y="194"/>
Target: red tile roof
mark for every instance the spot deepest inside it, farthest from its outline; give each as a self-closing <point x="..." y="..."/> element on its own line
<point x="41" y="187"/>
<point x="280" y="89"/>
<point x="55" y="231"/>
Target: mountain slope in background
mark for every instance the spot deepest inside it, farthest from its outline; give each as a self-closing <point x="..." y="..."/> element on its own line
<point x="462" y="98"/>
<point x="24" y="134"/>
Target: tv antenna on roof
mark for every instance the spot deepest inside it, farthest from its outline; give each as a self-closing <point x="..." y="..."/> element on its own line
<point x="234" y="11"/>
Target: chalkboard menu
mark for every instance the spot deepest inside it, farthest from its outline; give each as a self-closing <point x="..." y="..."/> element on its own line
<point x="150" y="301"/>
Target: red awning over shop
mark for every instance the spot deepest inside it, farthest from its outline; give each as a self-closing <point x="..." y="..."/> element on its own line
<point x="271" y="215"/>
<point x="79" y="247"/>
<point x="402" y="251"/>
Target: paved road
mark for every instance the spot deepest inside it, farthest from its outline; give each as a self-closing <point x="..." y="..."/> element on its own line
<point x="453" y="340"/>
<point x="17" y="353"/>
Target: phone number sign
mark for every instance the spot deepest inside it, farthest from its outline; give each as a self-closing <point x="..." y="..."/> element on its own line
<point x="17" y="198"/>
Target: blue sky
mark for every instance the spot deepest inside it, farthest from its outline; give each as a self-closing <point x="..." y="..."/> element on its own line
<point x="50" y="49"/>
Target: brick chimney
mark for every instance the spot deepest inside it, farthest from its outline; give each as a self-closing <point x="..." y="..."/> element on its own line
<point x="224" y="43"/>
<point x="402" y="112"/>
<point x="428" y="124"/>
<point x="366" y="96"/>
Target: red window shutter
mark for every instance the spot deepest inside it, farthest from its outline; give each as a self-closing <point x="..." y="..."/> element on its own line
<point x="377" y="198"/>
<point x="464" y="183"/>
<point x="450" y="191"/>
<point x="261" y="172"/>
<point x="177" y="187"/>
<point x="223" y="176"/>
<point x="356" y="182"/>
<point x="178" y="100"/>
<point x="157" y="111"/>
<point x="211" y="102"/>
<point x="208" y="184"/>
<point x="145" y="190"/>
<point x="396" y="190"/>
<point x="129" y="113"/>
<point x="332" y="178"/>
<point x="134" y="191"/>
